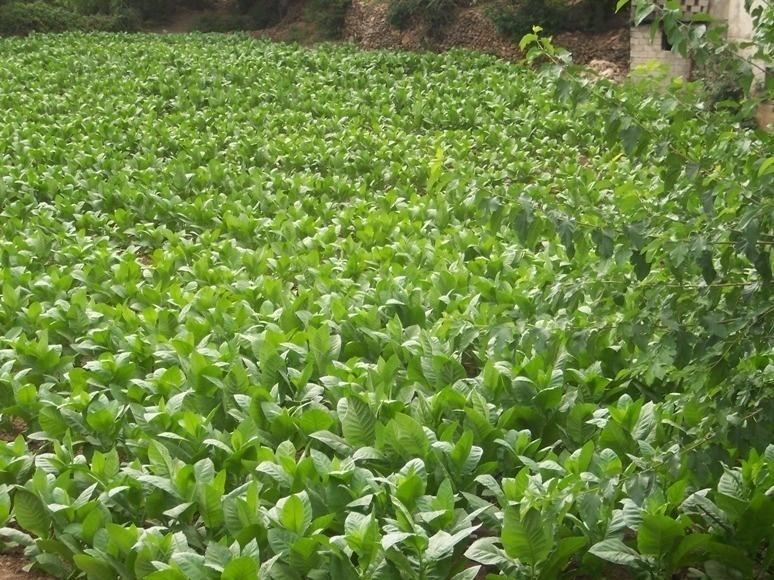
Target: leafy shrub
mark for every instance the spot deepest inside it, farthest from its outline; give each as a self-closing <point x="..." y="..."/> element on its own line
<point x="265" y="13"/>
<point x="259" y="14"/>
<point x="20" y="18"/>
<point x="399" y="12"/>
<point x="197" y="4"/>
<point x="262" y="13"/>
<point x="435" y="13"/>
<point x="122" y="19"/>
<point x="93" y="6"/>
<point x="222" y="23"/>
<point x="153" y="10"/>
<point x="244" y="6"/>
<point x="724" y="76"/>
<point x="329" y="15"/>
<point x="515" y="18"/>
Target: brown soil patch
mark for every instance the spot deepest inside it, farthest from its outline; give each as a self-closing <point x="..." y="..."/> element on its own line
<point x="10" y="433"/>
<point x="12" y="568"/>
<point x="611" y="46"/>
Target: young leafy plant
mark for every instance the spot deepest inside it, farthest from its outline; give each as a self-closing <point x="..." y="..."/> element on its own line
<point x="287" y="313"/>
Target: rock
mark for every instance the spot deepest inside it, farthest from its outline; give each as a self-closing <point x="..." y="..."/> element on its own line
<point x="606" y="69"/>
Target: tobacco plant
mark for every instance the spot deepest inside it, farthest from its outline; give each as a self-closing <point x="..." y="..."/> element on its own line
<point x="286" y="313"/>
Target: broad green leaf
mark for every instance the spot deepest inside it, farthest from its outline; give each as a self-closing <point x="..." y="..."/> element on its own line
<point x="296" y="513"/>
<point x="485" y="551"/>
<point x="527" y="539"/>
<point x="192" y="565"/>
<point x="615" y="551"/>
<point x="658" y="534"/>
<point x="93" y="568"/>
<point x="690" y="549"/>
<point x="467" y="574"/>
<point x="560" y="556"/>
<point x="358" y="423"/>
<point x="240" y="568"/>
<point x="766" y="167"/>
<point x="30" y="513"/>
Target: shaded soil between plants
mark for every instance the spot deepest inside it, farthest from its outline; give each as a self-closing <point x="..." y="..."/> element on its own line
<point x="12" y="568"/>
<point x="12" y="430"/>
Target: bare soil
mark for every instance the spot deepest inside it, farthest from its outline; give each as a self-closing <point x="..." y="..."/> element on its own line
<point x="12" y="568"/>
<point x="10" y="432"/>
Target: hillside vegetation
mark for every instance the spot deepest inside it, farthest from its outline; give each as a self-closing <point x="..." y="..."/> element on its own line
<point x="325" y="313"/>
<point x="512" y="18"/>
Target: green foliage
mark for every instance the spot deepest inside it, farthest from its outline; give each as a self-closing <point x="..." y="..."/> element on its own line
<point x="244" y="6"/>
<point x="400" y="12"/>
<point x="21" y="18"/>
<point x="434" y="13"/>
<point x="92" y="6"/>
<point x="515" y="18"/>
<point x="329" y="16"/>
<point x="290" y="313"/>
<point x="259" y="14"/>
<point x="725" y="76"/>
<point x="153" y="10"/>
<point x="222" y="23"/>
<point x="265" y="13"/>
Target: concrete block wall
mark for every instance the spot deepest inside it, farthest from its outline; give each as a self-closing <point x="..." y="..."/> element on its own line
<point x="643" y="51"/>
<point x="740" y="25"/>
<point x="730" y="12"/>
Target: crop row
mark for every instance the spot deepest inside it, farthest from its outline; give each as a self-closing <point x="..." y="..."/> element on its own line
<point x="327" y="313"/>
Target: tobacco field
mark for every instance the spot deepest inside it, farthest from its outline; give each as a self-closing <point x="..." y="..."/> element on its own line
<point x="278" y="312"/>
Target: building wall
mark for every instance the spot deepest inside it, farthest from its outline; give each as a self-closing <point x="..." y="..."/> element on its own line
<point x="740" y="26"/>
<point x="739" y="23"/>
<point x="643" y="51"/>
<point x="718" y="9"/>
<point x="730" y="12"/>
